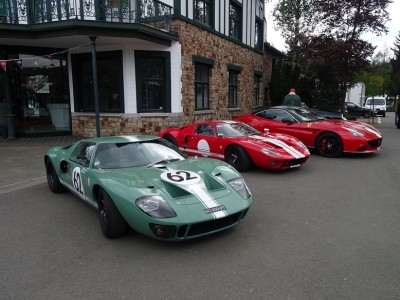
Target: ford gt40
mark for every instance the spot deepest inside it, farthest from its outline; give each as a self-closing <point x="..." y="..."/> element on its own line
<point x="145" y="183"/>
<point x="239" y="145"/>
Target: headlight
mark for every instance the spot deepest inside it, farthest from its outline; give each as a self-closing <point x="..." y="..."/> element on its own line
<point x="240" y="186"/>
<point x="301" y="145"/>
<point x="270" y="152"/>
<point x="155" y="206"/>
<point x="354" y="132"/>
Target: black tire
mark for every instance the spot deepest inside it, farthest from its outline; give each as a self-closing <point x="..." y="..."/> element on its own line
<point x="112" y="223"/>
<point x="384" y="114"/>
<point x="329" y="144"/>
<point x="171" y="139"/>
<point x="238" y="158"/>
<point x="52" y="178"/>
<point x="366" y="114"/>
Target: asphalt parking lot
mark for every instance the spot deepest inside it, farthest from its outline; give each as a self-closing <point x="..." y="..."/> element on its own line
<point x="328" y="230"/>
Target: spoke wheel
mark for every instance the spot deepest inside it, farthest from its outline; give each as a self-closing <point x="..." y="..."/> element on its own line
<point x="111" y="221"/>
<point x="329" y="145"/>
<point x="238" y="158"/>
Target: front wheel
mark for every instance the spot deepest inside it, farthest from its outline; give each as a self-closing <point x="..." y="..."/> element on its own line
<point x="112" y="223"/>
<point x="238" y="158"/>
<point x="329" y="145"/>
<point x="52" y="178"/>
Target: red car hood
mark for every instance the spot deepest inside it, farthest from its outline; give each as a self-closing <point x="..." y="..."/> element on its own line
<point x="282" y="143"/>
<point x="360" y="127"/>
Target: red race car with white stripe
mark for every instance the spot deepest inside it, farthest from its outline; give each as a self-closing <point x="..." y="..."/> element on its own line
<point x="238" y="144"/>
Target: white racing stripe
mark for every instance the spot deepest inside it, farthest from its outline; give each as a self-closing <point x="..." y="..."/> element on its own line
<point x="207" y="200"/>
<point x="203" y="153"/>
<point x="289" y="149"/>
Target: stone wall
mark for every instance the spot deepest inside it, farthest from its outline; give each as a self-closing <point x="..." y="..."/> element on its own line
<point x="195" y="42"/>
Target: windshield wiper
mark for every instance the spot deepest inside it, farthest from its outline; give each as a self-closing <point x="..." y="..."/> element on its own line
<point x="163" y="161"/>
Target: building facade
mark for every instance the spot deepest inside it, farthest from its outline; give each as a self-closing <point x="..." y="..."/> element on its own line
<point x="92" y="67"/>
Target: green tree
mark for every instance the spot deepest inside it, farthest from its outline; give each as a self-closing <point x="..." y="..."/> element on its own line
<point x="394" y="81"/>
<point x="329" y="47"/>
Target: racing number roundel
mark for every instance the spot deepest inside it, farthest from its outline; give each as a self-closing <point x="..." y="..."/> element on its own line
<point x="77" y="180"/>
<point x="180" y="177"/>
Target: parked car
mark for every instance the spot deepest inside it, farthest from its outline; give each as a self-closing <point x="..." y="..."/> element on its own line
<point x="238" y="144"/>
<point x="355" y="110"/>
<point x="148" y="184"/>
<point x="329" y="137"/>
<point x="325" y="114"/>
<point x="377" y="105"/>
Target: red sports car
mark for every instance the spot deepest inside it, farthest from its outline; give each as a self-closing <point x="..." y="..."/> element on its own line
<point x="329" y="137"/>
<point x="238" y="144"/>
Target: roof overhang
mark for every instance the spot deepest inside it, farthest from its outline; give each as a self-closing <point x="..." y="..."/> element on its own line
<point x="69" y="33"/>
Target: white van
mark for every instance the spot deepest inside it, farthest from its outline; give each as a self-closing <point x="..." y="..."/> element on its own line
<point x="377" y="104"/>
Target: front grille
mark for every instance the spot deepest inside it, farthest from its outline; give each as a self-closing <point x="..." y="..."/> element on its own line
<point x="213" y="225"/>
<point x="295" y="162"/>
<point x="375" y="143"/>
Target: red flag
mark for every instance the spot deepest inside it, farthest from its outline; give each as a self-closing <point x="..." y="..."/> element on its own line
<point x="3" y="64"/>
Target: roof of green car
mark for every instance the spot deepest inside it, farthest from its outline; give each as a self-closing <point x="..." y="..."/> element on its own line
<point x="123" y="139"/>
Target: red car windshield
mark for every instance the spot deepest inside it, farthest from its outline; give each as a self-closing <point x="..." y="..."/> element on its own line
<point x="235" y="130"/>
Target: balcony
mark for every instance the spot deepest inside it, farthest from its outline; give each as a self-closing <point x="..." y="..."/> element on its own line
<point x="27" y="12"/>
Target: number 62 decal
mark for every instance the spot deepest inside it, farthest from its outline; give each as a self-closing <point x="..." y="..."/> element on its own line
<point x="180" y="177"/>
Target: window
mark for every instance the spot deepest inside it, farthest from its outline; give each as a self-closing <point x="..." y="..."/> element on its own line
<point x="235" y="21"/>
<point x="110" y="82"/>
<point x="203" y="12"/>
<point x="205" y="129"/>
<point x="259" y="34"/>
<point x="233" y="83"/>
<point x="83" y="153"/>
<point x="256" y="96"/>
<point x="153" y="81"/>
<point x="202" y="86"/>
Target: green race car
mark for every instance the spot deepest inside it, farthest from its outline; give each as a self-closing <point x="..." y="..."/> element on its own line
<point x="147" y="183"/>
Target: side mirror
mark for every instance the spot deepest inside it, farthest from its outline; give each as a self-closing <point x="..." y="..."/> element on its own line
<point x="64" y="166"/>
<point x="220" y="135"/>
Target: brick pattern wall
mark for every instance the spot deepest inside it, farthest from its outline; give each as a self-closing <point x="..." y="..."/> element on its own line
<point x="197" y="42"/>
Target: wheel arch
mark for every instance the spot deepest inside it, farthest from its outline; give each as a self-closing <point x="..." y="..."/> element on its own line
<point x="240" y="146"/>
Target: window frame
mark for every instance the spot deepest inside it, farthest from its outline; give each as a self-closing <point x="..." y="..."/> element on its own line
<point x="208" y="9"/>
<point x="78" y="82"/>
<point x="257" y="90"/>
<point x="205" y="87"/>
<point x="166" y="90"/>
<point x="235" y="23"/>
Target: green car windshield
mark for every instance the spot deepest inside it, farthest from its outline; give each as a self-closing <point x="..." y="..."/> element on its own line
<point x="135" y="154"/>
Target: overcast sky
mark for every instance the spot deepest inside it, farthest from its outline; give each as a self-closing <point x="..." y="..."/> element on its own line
<point x="381" y="42"/>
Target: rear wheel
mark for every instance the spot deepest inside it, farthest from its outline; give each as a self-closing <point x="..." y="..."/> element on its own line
<point x="366" y="114"/>
<point x="112" y="223"/>
<point x="52" y="178"/>
<point x="171" y="139"/>
<point x="238" y="158"/>
<point x="329" y="145"/>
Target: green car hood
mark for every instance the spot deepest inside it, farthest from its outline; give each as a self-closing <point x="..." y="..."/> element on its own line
<point x="209" y="177"/>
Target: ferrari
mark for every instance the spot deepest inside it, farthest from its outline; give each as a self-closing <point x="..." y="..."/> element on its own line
<point x="238" y="144"/>
<point x="145" y="183"/>
<point x="330" y="138"/>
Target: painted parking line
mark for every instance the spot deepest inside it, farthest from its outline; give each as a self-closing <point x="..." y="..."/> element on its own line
<point x="22" y="185"/>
